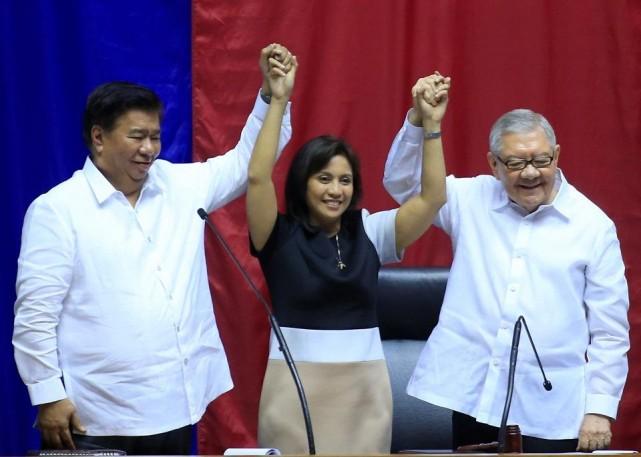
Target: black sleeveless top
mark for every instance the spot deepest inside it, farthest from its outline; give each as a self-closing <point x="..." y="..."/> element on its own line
<point x="307" y="288"/>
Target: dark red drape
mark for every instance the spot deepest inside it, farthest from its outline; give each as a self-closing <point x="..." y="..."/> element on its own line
<point x="576" y="62"/>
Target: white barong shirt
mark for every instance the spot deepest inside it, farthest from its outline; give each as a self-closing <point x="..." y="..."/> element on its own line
<point x="113" y="304"/>
<point x="560" y="267"/>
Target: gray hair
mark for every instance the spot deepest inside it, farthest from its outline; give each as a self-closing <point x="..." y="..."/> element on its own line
<point x="519" y="121"/>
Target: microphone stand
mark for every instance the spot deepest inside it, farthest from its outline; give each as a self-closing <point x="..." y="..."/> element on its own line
<point x="282" y="344"/>
<point x="547" y="385"/>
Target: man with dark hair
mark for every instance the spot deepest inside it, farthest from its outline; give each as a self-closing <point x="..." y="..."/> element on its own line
<point x="114" y="333"/>
<point x="526" y="243"/>
<point x="113" y="99"/>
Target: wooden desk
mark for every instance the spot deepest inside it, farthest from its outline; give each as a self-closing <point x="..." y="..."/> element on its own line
<point x="614" y="453"/>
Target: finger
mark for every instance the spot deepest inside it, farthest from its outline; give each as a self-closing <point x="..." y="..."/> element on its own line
<point x="51" y="439"/>
<point x="66" y="439"/>
<point x="425" y="95"/>
<point x="429" y="93"/>
<point x="276" y="72"/>
<point x="286" y="57"/>
<point x="446" y="83"/>
<point x="266" y="51"/>
<point x="287" y="67"/>
<point x="46" y="440"/>
<point x="436" y="79"/>
<point x="275" y="63"/>
<point x="292" y="71"/>
<point x="441" y="95"/>
<point x="281" y="53"/>
<point x="421" y="83"/>
<point x="418" y="88"/>
<point x="430" y="101"/>
<point x="76" y="425"/>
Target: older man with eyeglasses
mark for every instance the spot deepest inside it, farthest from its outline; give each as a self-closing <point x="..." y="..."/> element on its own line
<point x="525" y="242"/>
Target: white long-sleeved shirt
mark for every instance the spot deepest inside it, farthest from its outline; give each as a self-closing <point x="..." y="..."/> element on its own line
<point x="560" y="267"/>
<point x="113" y="305"/>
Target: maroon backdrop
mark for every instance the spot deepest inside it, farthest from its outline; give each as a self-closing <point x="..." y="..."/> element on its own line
<point x="576" y="62"/>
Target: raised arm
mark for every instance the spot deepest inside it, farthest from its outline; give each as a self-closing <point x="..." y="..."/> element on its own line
<point x="430" y="95"/>
<point x="262" y="206"/>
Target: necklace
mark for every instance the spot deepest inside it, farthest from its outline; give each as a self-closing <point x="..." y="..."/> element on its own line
<point x="341" y="266"/>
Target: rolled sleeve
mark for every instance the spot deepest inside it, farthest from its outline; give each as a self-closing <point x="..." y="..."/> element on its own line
<point x="402" y="175"/>
<point x="227" y="174"/>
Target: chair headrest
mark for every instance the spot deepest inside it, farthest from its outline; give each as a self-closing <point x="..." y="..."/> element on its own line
<point x="409" y="300"/>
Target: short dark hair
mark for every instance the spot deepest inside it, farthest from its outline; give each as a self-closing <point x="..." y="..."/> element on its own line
<point x="310" y="159"/>
<point x="111" y="100"/>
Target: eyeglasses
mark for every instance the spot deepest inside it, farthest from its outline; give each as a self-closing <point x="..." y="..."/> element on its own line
<point x="514" y="164"/>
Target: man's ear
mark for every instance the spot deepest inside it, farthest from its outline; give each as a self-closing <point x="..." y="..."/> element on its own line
<point x="97" y="138"/>
<point x="491" y="160"/>
<point x="557" y="152"/>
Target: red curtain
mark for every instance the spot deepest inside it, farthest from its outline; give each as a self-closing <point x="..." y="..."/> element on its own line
<point x="576" y="62"/>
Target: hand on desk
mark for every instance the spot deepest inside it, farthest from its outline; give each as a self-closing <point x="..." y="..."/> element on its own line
<point x="595" y="433"/>
<point x="56" y="420"/>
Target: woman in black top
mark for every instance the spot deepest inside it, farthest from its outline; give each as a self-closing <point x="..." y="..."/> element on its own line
<point x="321" y="260"/>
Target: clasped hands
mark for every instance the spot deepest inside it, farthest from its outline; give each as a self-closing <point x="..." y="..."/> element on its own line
<point x="276" y="63"/>
<point x="430" y="95"/>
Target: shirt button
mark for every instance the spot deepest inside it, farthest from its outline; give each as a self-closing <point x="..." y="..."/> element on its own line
<point x="149" y="239"/>
<point x="185" y="361"/>
<point x="496" y="362"/>
<point x="158" y="268"/>
<point x="171" y="296"/>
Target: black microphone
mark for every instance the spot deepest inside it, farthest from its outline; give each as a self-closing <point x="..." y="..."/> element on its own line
<point x="282" y="344"/>
<point x="547" y="385"/>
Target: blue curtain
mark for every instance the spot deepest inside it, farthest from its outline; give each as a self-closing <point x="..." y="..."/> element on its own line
<point x="52" y="54"/>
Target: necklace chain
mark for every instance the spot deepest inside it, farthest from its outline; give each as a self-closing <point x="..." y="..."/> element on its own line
<point x="341" y="266"/>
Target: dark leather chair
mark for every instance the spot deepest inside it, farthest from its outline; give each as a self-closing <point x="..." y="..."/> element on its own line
<point x="409" y="303"/>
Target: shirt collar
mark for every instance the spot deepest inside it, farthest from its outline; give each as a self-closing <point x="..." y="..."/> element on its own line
<point x="103" y="189"/>
<point x="560" y="203"/>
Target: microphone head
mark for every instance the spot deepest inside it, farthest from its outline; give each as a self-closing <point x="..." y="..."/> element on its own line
<point x="547" y="385"/>
<point x="202" y="213"/>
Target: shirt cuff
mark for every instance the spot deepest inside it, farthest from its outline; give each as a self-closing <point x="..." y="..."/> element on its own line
<point x="46" y="391"/>
<point x="605" y="405"/>
<point x="413" y="134"/>
<point x="260" y="109"/>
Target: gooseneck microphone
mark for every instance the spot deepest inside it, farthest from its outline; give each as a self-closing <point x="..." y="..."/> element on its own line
<point x="547" y="385"/>
<point x="282" y="344"/>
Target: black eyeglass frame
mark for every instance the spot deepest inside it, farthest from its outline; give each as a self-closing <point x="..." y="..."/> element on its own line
<point x="521" y="164"/>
